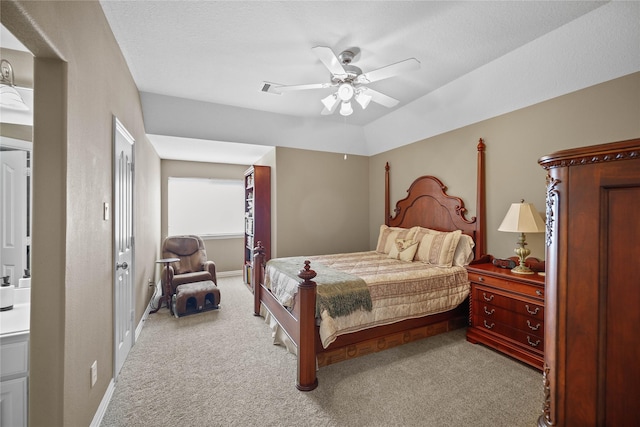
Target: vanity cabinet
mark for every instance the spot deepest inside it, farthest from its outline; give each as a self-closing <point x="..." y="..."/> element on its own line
<point x="14" y="378"/>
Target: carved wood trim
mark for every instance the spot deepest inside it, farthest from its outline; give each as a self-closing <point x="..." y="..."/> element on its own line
<point x="611" y="152"/>
<point x="552" y="197"/>
<point x="444" y="212"/>
<point x="546" y="406"/>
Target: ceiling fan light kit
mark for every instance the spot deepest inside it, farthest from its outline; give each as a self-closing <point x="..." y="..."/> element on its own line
<point x="363" y="98"/>
<point x="349" y="80"/>
<point x="346" y="109"/>
<point x="345" y="92"/>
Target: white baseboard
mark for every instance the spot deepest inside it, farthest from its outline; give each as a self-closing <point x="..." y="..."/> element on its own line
<point x="229" y="273"/>
<point x="143" y="319"/>
<point x="104" y="403"/>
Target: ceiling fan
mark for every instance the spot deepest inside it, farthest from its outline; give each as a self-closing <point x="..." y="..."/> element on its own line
<point x="349" y="80"/>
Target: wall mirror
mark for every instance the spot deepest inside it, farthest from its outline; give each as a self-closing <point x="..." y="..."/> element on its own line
<point x="16" y="159"/>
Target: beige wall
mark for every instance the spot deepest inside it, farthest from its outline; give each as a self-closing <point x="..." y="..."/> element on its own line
<point x="81" y="82"/>
<point x="321" y="203"/>
<point x="603" y="113"/>
<point x="226" y="253"/>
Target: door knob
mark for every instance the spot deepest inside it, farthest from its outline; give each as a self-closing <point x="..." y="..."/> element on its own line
<point x="123" y="266"/>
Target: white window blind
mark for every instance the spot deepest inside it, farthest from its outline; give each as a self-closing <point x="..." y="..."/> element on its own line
<point x="205" y="207"/>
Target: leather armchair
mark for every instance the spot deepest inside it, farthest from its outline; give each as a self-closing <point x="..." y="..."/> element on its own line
<point x="192" y="265"/>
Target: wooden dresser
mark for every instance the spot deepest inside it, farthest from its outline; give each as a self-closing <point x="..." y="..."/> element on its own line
<point x="592" y="349"/>
<point x="506" y="312"/>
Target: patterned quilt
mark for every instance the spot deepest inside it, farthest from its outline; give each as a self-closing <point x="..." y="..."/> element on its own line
<point x="399" y="290"/>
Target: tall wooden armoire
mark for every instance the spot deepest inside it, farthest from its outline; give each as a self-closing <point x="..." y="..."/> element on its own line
<point x="592" y="305"/>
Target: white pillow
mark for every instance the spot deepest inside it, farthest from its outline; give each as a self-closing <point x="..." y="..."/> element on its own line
<point x="464" y="251"/>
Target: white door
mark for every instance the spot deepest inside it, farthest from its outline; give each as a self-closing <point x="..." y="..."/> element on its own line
<point x="13" y="229"/>
<point x="123" y="244"/>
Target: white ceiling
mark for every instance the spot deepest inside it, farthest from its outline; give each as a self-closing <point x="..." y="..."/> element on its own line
<point x="8" y="41"/>
<point x="216" y="55"/>
<point x="222" y="51"/>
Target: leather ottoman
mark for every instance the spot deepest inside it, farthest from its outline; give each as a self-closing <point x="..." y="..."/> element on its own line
<point x="195" y="297"/>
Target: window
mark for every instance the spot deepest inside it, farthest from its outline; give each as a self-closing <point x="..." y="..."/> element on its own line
<point x="205" y="207"/>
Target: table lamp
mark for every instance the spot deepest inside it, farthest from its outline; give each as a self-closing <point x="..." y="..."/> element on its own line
<point x="522" y="218"/>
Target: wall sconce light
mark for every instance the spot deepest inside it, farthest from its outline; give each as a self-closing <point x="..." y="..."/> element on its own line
<point x="9" y="96"/>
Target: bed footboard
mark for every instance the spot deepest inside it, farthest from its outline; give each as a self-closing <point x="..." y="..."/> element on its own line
<point x="299" y="324"/>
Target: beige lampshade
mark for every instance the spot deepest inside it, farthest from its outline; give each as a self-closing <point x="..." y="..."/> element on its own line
<point x="522" y="218"/>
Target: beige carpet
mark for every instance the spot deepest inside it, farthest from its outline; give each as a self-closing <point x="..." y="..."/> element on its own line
<point x="219" y="368"/>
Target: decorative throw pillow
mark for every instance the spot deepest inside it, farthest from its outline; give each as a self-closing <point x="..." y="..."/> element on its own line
<point x="404" y="250"/>
<point x="388" y="236"/>
<point x="437" y="247"/>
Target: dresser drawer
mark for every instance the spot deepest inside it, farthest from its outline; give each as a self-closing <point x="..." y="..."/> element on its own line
<point x="507" y="312"/>
<point x="531" y="341"/>
<point x="484" y="295"/>
<point x="496" y="314"/>
<point x="508" y="285"/>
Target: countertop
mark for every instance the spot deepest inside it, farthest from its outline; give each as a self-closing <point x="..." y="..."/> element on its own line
<point x="16" y="320"/>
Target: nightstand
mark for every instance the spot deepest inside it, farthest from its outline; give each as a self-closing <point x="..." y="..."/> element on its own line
<point x="506" y="312"/>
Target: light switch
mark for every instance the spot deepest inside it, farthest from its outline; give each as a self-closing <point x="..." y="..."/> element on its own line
<point x="105" y="209"/>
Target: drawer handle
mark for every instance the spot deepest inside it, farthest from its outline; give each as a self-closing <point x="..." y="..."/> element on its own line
<point x="489" y="312"/>
<point x="534" y="312"/>
<point x="489" y="298"/>
<point x="480" y="279"/>
<point x="532" y="327"/>
<point x="531" y="343"/>
<point x="538" y="292"/>
<point x="486" y="325"/>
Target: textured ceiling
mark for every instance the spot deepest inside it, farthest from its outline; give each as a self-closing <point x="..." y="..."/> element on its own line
<point x="222" y="51"/>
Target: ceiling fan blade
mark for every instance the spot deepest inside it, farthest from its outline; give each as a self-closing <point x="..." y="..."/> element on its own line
<point x="388" y="71"/>
<point x="277" y="88"/>
<point x="330" y="60"/>
<point x="381" y="98"/>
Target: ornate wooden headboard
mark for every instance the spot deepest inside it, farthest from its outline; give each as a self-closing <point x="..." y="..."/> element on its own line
<point x="428" y="205"/>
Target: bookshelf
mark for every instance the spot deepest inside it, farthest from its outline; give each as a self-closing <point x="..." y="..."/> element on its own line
<point x="257" y="215"/>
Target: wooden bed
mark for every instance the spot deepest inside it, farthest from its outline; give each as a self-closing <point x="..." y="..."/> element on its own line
<point x="426" y="205"/>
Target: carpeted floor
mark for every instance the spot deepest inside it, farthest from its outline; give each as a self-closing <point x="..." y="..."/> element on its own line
<point x="220" y="368"/>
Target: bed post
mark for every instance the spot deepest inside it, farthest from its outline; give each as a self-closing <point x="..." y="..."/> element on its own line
<point x="387" y="202"/>
<point x="257" y="276"/>
<point x="307" y="379"/>
<point x="480" y="248"/>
